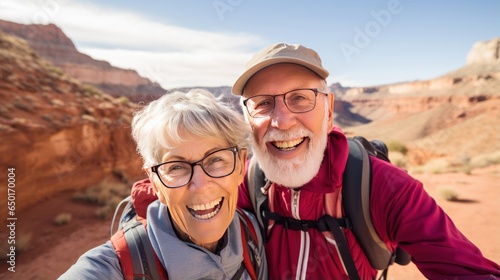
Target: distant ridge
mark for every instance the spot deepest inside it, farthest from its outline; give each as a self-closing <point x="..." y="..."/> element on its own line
<point x="51" y="43"/>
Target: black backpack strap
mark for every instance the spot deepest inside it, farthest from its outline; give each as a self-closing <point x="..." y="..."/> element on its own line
<point x="257" y="189"/>
<point x="141" y="251"/>
<point x="375" y="147"/>
<point x="343" y="247"/>
<point x="325" y="223"/>
<point x="356" y="200"/>
<point x="305" y="225"/>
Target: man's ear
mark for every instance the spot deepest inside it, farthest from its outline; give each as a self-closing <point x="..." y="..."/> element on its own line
<point x="331" y="104"/>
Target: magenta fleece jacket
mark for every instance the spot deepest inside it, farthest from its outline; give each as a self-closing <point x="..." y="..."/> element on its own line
<point x="402" y="213"/>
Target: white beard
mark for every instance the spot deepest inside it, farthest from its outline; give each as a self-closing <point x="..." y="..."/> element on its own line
<point x="298" y="171"/>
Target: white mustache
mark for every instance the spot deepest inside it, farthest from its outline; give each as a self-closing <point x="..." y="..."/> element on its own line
<point x="281" y="135"/>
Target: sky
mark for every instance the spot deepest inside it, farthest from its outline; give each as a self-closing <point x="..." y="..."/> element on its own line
<point x="188" y="43"/>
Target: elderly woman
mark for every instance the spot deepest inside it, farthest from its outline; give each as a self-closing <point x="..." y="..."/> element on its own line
<point x="194" y="152"/>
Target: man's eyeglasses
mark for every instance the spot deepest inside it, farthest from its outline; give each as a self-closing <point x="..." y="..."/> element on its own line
<point x="300" y="100"/>
<point x="217" y="164"/>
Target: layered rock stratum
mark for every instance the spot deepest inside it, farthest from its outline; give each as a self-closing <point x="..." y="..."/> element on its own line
<point x="50" y="42"/>
<point x="454" y="116"/>
<point x="56" y="132"/>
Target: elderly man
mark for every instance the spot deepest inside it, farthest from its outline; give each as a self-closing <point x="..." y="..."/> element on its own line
<point x="303" y="156"/>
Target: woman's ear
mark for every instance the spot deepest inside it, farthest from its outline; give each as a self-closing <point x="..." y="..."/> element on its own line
<point x="243" y="158"/>
<point x="157" y="188"/>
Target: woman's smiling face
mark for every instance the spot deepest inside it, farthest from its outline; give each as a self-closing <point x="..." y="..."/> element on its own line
<point x="203" y="209"/>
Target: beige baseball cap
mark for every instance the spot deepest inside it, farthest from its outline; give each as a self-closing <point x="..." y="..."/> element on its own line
<point x="280" y="53"/>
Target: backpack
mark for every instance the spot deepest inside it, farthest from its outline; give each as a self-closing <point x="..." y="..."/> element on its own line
<point x="135" y="252"/>
<point x="355" y="198"/>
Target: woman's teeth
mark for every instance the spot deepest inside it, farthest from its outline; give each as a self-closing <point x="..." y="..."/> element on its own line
<point x="207" y="210"/>
<point x="288" y="145"/>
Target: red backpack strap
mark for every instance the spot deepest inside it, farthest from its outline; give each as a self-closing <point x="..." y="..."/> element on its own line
<point x="250" y="242"/>
<point x="135" y="253"/>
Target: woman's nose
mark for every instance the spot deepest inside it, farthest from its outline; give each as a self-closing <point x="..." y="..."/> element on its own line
<point x="199" y="178"/>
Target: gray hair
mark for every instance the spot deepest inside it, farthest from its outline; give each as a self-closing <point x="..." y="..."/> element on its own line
<point x="162" y="124"/>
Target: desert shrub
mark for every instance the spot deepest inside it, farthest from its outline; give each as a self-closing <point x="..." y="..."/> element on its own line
<point x="106" y="195"/>
<point x="398" y="159"/>
<point x="56" y="71"/>
<point x="89" y="90"/>
<point x="434" y="166"/>
<point x="486" y="159"/>
<point x="448" y="194"/>
<point x="22" y="244"/>
<point x="123" y="99"/>
<point x="62" y="219"/>
<point x="103" y="212"/>
<point x="396" y="146"/>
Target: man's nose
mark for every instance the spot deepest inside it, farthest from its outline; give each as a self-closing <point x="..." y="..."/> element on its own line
<point x="281" y="117"/>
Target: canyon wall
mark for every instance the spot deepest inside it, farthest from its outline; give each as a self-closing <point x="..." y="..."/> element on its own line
<point x="51" y="43"/>
<point x="57" y="133"/>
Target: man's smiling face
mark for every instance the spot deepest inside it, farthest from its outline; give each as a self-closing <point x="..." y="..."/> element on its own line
<point x="289" y="146"/>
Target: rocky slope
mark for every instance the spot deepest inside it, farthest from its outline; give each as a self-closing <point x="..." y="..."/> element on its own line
<point x="51" y="43"/>
<point x="456" y="115"/>
<point x="58" y="133"/>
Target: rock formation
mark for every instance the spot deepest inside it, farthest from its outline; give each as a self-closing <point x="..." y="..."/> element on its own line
<point x="455" y="115"/>
<point x="52" y="44"/>
<point x="485" y="52"/>
<point x="58" y="133"/>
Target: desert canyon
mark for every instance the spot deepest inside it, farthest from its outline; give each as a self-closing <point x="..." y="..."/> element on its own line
<point x="65" y="128"/>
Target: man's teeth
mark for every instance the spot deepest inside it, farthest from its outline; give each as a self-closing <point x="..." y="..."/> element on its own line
<point x="288" y="144"/>
<point x="206" y="206"/>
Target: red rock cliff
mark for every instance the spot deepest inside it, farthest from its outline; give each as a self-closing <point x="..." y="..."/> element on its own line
<point x="52" y="44"/>
<point x="57" y="133"/>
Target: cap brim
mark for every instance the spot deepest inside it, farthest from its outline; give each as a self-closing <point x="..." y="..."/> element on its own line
<point x="240" y="83"/>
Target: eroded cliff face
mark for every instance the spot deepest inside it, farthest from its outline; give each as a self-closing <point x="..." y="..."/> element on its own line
<point x="57" y="133"/>
<point x="51" y="43"/>
<point x="455" y="115"/>
<point x="483" y="67"/>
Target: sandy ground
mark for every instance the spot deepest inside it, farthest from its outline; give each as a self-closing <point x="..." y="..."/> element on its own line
<point x="53" y="249"/>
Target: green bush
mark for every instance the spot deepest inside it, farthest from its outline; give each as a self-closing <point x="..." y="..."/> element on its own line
<point x="448" y="194"/>
<point x="397" y="146"/>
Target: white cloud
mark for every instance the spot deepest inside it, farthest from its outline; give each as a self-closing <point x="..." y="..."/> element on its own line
<point x="170" y="55"/>
<point x="177" y="69"/>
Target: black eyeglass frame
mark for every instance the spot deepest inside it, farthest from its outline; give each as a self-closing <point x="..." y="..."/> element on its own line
<point x="155" y="168"/>
<point x="315" y="90"/>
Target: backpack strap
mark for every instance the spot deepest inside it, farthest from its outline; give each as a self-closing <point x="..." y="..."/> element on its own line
<point x="127" y="213"/>
<point x="250" y="242"/>
<point x="137" y="257"/>
<point x="258" y="185"/>
<point x="139" y="261"/>
<point x="356" y="193"/>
